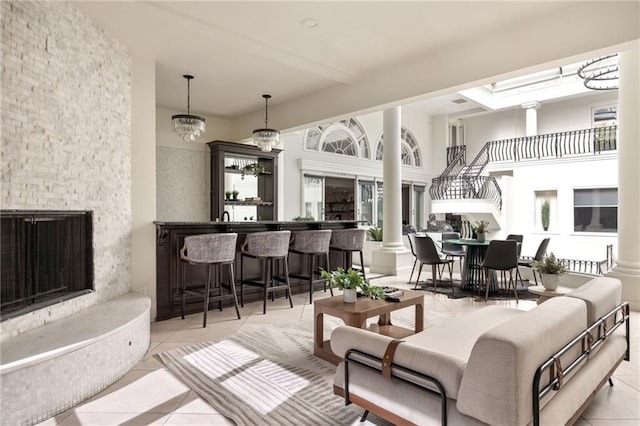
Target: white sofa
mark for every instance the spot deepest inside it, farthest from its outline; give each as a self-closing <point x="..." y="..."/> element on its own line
<point x="481" y="368"/>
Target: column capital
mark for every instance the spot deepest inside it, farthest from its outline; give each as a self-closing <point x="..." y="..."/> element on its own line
<point x="530" y="105"/>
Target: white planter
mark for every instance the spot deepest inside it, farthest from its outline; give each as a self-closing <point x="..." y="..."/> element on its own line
<point x="367" y="252"/>
<point x="551" y="281"/>
<point x="349" y="295"/>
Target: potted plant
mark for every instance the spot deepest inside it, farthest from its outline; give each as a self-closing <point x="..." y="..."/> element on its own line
<point x="544" y="214"/>
<point x="255" y="168"/>
<point x="550" y="270"/>
<point x="234" y="194"/>
<point x="372" y="243"/>
<point x="480" y="228"/>
<point x="349" y="282"/>
<point x="227" y="195"/>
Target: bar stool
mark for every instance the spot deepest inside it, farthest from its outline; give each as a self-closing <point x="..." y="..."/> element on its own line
<point x="213" y="250"/>
<point x="347" y="241"/>
<point x="267" y="247"/>
<point x="313" y="245"/>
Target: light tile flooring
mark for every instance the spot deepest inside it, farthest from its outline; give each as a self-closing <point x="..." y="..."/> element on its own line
<point x="149" y="394"/>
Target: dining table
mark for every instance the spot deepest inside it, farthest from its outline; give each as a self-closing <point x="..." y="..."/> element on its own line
<point x="471" y="274"/>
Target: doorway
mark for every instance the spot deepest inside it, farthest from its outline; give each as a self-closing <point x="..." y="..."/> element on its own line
<point x="339" y="196"/>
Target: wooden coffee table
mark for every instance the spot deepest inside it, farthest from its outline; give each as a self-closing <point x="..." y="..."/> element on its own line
<point x="355" y="315"/>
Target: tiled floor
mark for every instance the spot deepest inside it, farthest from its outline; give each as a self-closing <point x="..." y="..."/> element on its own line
<point x="149" y="394"/>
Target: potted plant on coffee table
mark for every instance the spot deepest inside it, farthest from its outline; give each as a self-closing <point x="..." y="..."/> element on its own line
<point x="550" y="270"/>
<point x="349" y="282"/>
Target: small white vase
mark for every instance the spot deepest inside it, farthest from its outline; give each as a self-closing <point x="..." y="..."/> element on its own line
<point x="349" y="295"/>
<point x="481" y="237"/>
<point x="551" y="281"/>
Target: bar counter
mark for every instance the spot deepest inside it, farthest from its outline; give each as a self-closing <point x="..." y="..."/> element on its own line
<point x="170" y="239"/>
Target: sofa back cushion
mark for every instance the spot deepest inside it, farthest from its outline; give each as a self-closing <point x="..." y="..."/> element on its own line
<point x="497" y="385"/>
<point x="601" y="295"/>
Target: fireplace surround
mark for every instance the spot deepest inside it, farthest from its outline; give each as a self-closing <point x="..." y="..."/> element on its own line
<point x="47" y="258"/>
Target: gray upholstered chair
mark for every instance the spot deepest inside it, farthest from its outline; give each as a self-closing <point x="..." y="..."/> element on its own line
<point x="267" y="247"/>
<point x="501" y="255"/>
<point x="539" y="257"/>
<point x="348" y="241"/>
<point x="453" y="250"/>
<point x="427" y="254"/>
<point x="214" y="251"/>
<point x="314" y="245"/>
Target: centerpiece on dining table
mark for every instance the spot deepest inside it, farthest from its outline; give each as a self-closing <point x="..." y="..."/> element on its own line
<point x="480" y="229"/>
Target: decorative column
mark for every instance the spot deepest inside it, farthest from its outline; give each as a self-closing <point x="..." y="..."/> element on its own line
<point x="531" y="118"/>
<point x="393" y="256"/>
<point x="627" y="267"/>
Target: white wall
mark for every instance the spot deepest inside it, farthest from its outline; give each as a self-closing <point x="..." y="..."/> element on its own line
<point x="183" y="169"/>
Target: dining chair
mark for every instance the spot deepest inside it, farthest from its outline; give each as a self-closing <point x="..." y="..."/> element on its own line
<point x="427" y="254"/>
<point x="539" y="257"/>
<point x="517" y="238"/>
<point x="502" y="256"/>
<point x="412" y="244"/>
<point x="453" y="250"/>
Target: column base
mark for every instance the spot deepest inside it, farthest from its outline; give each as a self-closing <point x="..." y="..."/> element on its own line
<point x="391" y="262"/>
<point x="630" y="279"/>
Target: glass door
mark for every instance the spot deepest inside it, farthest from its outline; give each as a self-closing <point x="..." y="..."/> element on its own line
<point x="313" y="197"/>
<point x="365" y="202"/>
<point x="418" y="196"/>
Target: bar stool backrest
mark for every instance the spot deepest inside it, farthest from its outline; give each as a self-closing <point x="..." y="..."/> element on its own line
<point x="348" y="239"/>
<point x="268" y="244"/>
<point x="311" y="241"/>
<point x="211" y="248"/>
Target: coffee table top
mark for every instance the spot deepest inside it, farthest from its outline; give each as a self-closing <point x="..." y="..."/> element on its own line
<point x="368" y="305"/>
<point x="541" y="291"/>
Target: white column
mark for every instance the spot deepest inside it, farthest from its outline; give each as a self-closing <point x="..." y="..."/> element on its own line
<point x="627" y="267"/>
<point x="531" y="118"/>
<point x="393" y="256"/>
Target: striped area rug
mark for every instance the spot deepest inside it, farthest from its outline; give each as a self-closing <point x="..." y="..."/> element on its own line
<point x="267" y="375"/>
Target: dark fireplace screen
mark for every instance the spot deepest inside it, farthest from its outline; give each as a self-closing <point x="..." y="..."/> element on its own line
<point x="47" y="257"/>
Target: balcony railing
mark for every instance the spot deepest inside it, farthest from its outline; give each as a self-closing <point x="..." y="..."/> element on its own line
<point x="460" y="182"/>
<point x="554" y="145"/>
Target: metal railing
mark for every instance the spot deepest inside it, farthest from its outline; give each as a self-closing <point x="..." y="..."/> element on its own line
<point x="469" y="187"/>
<point x="588" y="267"/>
<point x="460" y="182"/>
<point x="554" y="145"/>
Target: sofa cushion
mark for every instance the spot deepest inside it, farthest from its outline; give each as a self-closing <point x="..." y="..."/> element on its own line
<point x="456" y="336"/>
<point x="601" y="295"/>
<point x="497" y="385"/>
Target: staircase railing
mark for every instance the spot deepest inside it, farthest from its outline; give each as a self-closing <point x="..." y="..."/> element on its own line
<point x="457" y="154"/>
<point x="466" y="187"/>
<point x="458" y="182"/>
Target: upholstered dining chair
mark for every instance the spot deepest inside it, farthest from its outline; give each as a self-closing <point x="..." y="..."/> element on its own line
<point x="214" y="251"/>
<point x="539" y="257"/>
<point x="502" y="256"/>
<point x="453" y="250"/>
<point x="427" y="254"/>
<point x="517" y="238"/>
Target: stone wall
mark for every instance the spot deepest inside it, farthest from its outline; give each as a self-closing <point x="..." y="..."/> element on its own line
<point x="66" y="135"/>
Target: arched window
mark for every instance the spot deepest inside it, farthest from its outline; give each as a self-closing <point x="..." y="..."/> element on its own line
<point x="345" y="137"/>
<point x="410" y="151"/>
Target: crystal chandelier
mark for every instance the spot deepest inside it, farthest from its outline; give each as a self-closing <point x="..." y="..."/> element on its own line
<point x="601" y="73"/>
<point x="266" y="138"/>
<point x="188" y="126"/>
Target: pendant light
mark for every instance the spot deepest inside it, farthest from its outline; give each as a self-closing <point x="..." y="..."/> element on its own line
<point x="188" y="126"/>
<point x="266" y="138"/>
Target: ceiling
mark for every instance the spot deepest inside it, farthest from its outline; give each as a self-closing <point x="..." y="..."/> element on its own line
<point x="238" y="50"/>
